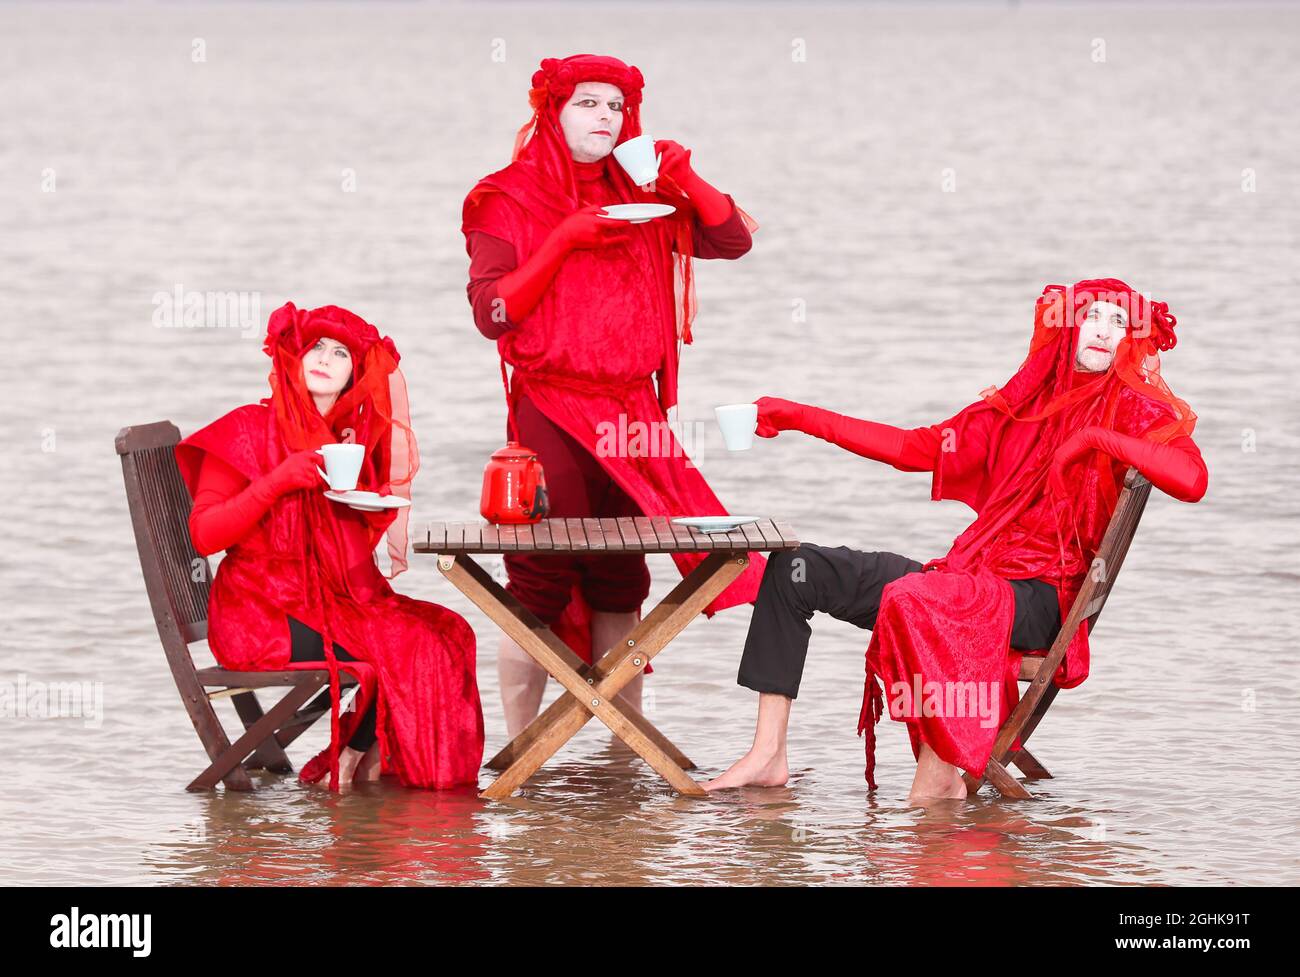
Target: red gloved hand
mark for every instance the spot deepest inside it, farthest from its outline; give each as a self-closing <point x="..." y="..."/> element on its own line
<point x="776" y="415"/>
<point x="879" y="442"/>
<point x="1175" y="468"/>
<point x="299" y="471"/>
<point x="227" y="506"/>
<point x="524" y="287"/>
<point x="587" y="228"/>
<point x="675" y="161"/>
<point x="711" y="204"/>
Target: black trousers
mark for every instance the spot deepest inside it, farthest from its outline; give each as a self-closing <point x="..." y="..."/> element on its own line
<point x="308" y="646"/>
<point x="846" y="583"/>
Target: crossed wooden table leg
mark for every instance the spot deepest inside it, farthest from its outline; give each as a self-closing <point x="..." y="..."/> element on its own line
<point x="591" y="690"/>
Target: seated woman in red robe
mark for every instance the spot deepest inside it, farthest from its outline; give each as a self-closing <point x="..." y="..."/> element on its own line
<point x="1040" y="460"/>
<point x="588" y="310"/>
<point x="300" y="587"/>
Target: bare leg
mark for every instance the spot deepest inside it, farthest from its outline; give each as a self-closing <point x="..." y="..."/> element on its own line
<point x="348" y="760"/>
<point x="609" y="628"/>
<point x="368" y="768"/>
<point x="765" y="763"/>
<point x="522" y="683"/>
<point x="935" y="778"/>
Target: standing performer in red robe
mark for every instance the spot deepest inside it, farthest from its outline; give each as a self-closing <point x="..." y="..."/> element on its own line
<point x="1040" y="460"/>
<point x="299" y="587"/>
<point x="586" y="309"/>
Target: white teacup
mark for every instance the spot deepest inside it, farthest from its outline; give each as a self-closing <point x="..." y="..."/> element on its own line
<point x="342" y="465"/>
<point x="637" y="157"/>
<point x="738" y="423"/>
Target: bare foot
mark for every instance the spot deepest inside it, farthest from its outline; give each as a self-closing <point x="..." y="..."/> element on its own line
<point x="752" y="770"/>
<point x="937" y="785"/>
<point x="935" y="779"/>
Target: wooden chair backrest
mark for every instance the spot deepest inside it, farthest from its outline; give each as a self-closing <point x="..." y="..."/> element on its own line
<point x="1101" y="577"/>
<point x="175" y="576"/>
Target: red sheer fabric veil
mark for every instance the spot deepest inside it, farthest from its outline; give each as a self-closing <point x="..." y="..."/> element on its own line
<point x="1046" y="394"/>
<point x="372" y="410"/>
<point x="548" y="188"/>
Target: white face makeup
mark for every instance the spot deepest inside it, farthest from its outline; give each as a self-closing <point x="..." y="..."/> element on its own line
<point x="327" y="367"/>
<point x="591" y="120"/>
<point x="1100" y="333"/>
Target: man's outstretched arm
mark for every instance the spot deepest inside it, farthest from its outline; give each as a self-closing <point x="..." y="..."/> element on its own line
<point x="907" y="450"/>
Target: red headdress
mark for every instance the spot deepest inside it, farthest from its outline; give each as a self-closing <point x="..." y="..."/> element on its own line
<point x="540" y="141"/>
<point x="372" y="410"/>
<point x="1047" y="401"/>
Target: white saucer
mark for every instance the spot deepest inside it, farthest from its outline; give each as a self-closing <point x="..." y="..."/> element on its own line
<point x="637" y="213"/>
<point x="368" y="501"/>
<point x="715" y="524"/>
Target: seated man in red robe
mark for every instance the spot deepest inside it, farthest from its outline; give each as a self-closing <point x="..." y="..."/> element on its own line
<point x="589" y="311"/>
<point x="1040" y="460"/>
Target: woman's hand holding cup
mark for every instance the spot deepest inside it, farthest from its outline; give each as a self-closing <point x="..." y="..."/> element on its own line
<point x="298" y="471"/>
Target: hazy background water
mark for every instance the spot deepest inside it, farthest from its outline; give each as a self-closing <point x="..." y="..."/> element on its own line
<point x="1175" y="762"/>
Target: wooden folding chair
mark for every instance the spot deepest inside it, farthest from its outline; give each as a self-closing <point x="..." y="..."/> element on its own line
<point x="177" y="580"/>
<point x="1039" y="670"/>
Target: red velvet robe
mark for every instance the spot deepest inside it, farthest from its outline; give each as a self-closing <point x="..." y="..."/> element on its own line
<point x="952" y="622"/>
<point x="417" y="657"/>
<point x="587" y="352"/>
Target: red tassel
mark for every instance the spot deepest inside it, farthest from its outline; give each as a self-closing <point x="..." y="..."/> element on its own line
<point x="872" y="709"/>
<point x="335" y="693"/>
<point x="327" y="645"/>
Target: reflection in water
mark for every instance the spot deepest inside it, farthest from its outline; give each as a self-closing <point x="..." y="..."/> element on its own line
<point x="378" y="835"/>
<point x="611" y="822"/>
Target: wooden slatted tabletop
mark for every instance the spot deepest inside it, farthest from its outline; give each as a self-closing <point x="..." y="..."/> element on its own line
<point x="627" y="534"/>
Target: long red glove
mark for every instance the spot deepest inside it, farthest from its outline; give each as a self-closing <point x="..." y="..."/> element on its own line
<point x="906" y="450"/>
<point x="227" y="506"/>
<point x="1176" y="468"/>
<point x="710" y="203"/>
<point x="524" y="287"/>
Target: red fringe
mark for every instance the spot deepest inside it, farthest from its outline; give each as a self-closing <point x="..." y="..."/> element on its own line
<point x="872" y="709"/>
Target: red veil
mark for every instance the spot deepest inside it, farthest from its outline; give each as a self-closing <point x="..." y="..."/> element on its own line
<point x="1045" y="405"/>
<point x="372" y="410"/>
<point x="541" y="180"/>
<point x="652" y="287"/>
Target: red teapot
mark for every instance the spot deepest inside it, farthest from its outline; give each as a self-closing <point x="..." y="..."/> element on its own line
<point x="514" y="486"/>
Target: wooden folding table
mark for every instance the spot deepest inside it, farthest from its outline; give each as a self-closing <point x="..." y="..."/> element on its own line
<point x="591" y="690"/>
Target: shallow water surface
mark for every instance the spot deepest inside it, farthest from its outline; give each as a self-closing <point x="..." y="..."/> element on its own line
<point x="870" y="290"/>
